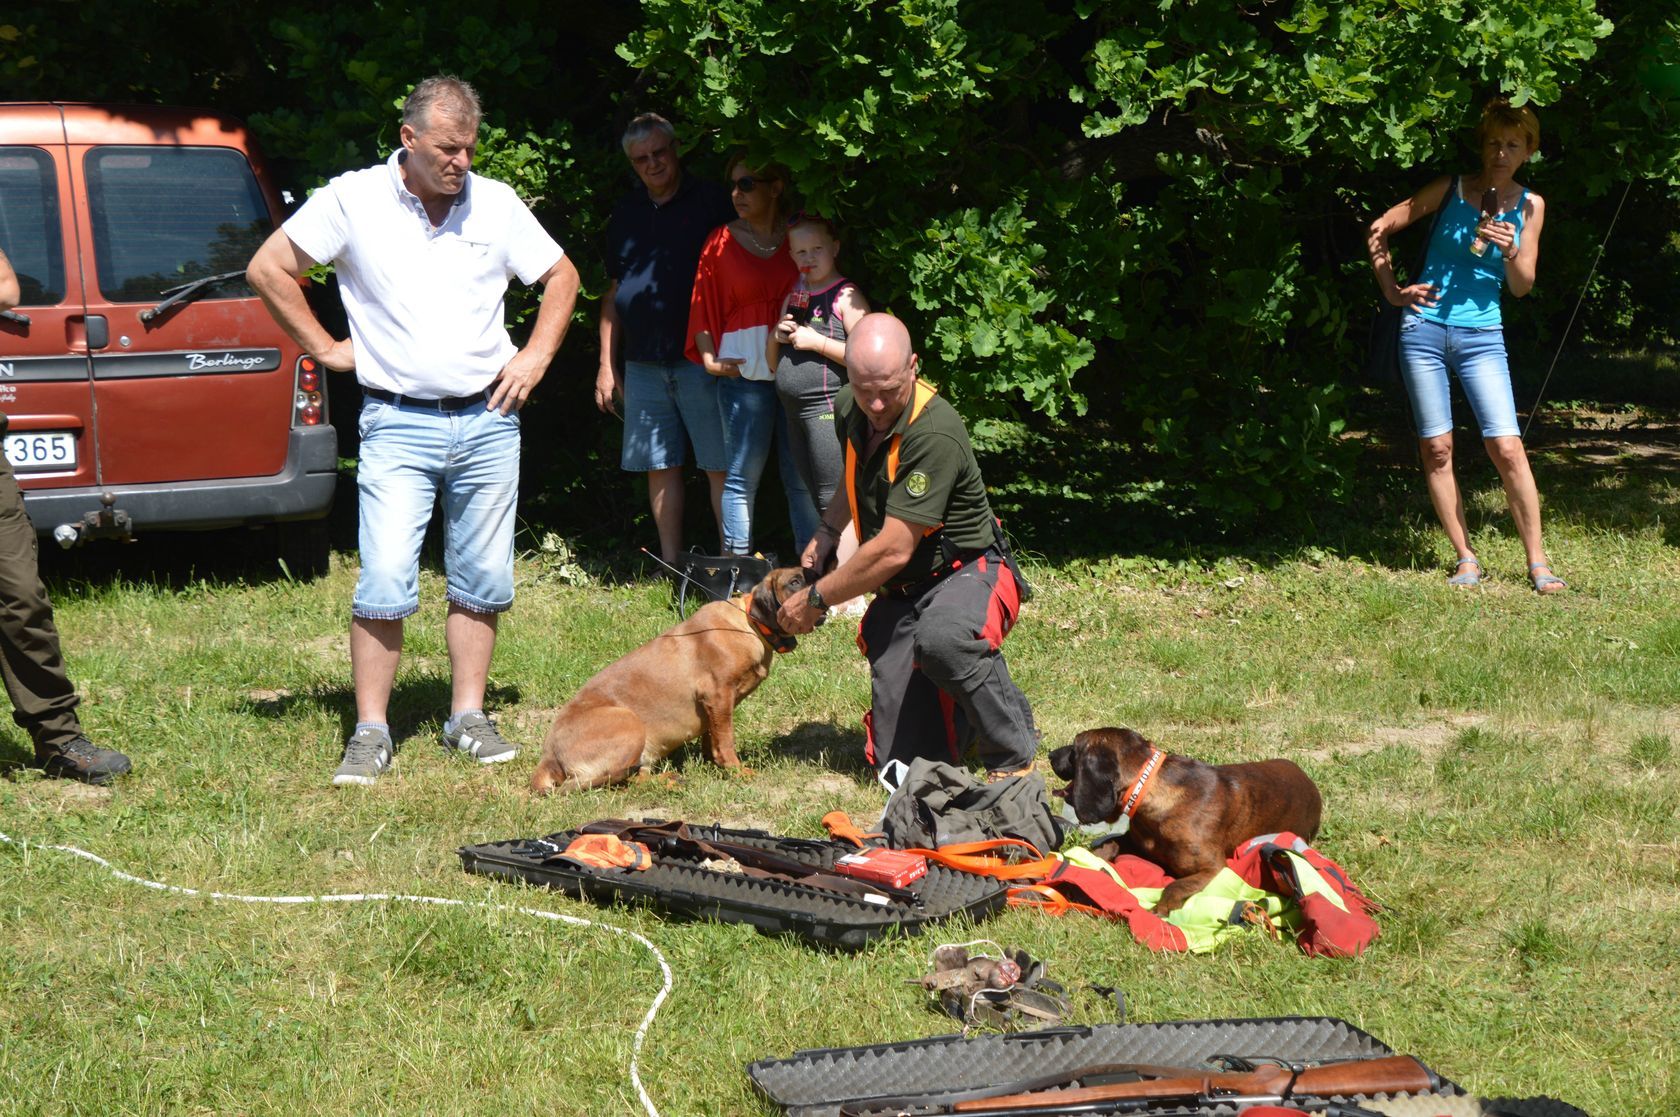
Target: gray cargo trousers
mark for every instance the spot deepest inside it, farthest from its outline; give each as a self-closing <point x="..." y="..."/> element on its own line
<point x="938" y="680"/>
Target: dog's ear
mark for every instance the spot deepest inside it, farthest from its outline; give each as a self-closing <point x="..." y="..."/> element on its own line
<point x="1133" y="744"/>
<point x="1101" y="767"/>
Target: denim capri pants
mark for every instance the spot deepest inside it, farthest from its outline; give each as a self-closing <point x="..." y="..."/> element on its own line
<point x="409" y="455"/>
<point x="1476" y="355"/>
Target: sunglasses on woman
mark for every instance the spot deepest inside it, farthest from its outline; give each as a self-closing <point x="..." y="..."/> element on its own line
<point x="746" y="184"/>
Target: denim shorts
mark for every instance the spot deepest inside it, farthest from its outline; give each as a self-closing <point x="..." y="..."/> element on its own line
<point x="409" y="455"/>
<point x="1429" y="350"/>
<point x="669" y="406"/>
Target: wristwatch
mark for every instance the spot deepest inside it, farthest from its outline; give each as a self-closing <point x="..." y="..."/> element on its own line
<point x="814" y="600"/>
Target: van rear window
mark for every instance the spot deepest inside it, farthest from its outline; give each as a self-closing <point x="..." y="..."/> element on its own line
<point x="30" y="233"/>
<point x="164" y="216"/>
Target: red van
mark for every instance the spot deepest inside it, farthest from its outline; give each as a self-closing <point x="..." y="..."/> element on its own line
<point x="145" y="384"/>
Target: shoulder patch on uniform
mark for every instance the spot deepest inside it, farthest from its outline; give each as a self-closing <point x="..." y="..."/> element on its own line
<point x="916" y="484"/>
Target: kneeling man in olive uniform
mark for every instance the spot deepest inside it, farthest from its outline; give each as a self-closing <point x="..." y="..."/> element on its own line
<point x="946" y="590"/>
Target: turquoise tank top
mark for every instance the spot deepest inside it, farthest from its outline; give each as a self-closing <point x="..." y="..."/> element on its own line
<point x="1468" y="284"/>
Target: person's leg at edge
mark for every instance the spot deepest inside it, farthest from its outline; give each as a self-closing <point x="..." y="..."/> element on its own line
<point x="656" y="444"/>
<point x="1437" y="456"/>
<point x="906" y="717"/>
<point x="1423" y="369"/>
<point x="1521" y="493"/>
<point x="480" y="499"/>
<point x="714" y="482"/>
<point x="471" y="637"/>
<point x="665" y="499"/>
<point x="802" y="504"/>
<point x="43" y="699"/>
<point x="396" y="482"/>
<point x="1485" y="373"/>
<point x="959" y="638"/>
<point x="375" y="650"/>
<point x="749" y="422"/>
<point x="696" y="395"/>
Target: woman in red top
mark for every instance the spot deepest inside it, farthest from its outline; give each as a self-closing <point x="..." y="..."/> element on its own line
<point x="744" y="271"/>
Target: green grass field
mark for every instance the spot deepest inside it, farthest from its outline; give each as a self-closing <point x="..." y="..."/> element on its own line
<point x="1499" y="771"/>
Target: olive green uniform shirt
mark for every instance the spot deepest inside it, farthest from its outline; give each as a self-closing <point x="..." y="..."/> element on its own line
<point x="938" y="483"/>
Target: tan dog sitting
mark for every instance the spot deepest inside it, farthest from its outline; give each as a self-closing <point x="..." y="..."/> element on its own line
<point x="1186" y="816"/>
<point x="682" y="684"/>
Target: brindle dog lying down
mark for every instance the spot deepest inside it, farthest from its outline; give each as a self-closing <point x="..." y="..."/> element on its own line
<point x="1190" y="816"/>
<point x="682" y="684"/>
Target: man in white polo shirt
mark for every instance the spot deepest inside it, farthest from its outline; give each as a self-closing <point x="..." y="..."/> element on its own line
<point x="424" y="249"/>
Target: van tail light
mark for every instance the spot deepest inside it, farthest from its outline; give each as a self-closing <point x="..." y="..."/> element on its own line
<point x="309" y="407"/>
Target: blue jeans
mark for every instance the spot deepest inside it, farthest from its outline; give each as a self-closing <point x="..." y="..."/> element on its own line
<point x="748" y="409"/>
<point x="1429" y="350"/>
<point x="411" y="454"/>
<point x="752" y="417"/>
<point x="668" y="407"/>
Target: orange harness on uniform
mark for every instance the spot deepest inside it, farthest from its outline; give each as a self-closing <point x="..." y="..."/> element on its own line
<point x="922" y="393"/>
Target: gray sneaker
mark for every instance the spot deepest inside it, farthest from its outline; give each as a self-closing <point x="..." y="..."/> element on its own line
<point x="478" y="737"/>
<point x="367" y="753"/>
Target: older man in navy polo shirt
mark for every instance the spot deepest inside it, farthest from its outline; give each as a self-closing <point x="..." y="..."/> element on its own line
<point x="653" y="244"/>
<point x="424" y="250"/>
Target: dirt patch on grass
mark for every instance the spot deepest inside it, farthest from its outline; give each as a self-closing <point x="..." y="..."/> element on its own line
<point x="1429" y="739"/>
<point x="65" y="793"/>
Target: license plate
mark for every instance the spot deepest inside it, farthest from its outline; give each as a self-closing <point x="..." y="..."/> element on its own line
<point x="39" y="451"/>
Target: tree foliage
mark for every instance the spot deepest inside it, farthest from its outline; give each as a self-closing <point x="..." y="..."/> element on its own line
<point x="1145" y="219"/>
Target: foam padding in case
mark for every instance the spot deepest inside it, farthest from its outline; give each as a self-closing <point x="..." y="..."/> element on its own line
<point x="684" y="888"/>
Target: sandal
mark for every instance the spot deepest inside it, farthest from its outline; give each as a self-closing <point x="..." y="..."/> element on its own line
<point x="1463" y="577"/>
<point x="1546" y="582"/>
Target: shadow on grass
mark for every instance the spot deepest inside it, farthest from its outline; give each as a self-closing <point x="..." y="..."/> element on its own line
<point x="15" y="753"/>
<point x="416" y="701"/>
<point x="824" y="744"/>
<point x="1613" y="468"/>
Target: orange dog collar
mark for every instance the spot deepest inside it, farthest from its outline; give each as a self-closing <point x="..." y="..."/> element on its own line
<point x="1147" y="773"/>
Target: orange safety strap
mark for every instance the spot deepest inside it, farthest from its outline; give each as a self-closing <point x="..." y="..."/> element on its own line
<point x="1051" y="902"/>
<point x="919" y="398"/>
<point x="985" y="859"/>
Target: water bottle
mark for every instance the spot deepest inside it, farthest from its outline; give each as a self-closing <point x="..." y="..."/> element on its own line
<point x="1490" y="210"/>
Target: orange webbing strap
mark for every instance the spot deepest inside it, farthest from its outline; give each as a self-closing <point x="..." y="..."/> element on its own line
<point x="1051" y="902"/>
<point x="919" y="398"/>
<point x="985" y="859"/>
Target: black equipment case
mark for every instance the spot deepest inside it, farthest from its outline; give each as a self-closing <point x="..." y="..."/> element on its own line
<point x="678" y="885"/>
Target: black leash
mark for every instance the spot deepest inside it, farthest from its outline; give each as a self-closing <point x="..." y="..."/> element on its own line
<point x="1535" y="410"/>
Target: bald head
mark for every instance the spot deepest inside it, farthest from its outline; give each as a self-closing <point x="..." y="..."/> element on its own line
<point x="881" y="366"/>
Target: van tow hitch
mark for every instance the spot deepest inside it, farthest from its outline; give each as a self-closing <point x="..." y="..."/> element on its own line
<point x="110" y="522"/>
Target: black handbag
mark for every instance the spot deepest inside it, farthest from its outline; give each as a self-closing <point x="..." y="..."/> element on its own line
<point x="709" y="578"/>
<point x="1382" y="350"/>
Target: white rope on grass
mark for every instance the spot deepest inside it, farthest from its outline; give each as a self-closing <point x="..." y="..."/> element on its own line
<point x="361" y="897"/>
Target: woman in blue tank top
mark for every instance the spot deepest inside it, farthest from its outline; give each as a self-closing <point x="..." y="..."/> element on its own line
<point x="1452" y="324"/>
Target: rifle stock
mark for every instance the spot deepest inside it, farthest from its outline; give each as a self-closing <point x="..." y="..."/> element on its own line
<point x="1390" y="1074"/>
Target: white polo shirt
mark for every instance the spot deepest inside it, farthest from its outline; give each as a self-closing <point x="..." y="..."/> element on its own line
<point x="425" y="303"/>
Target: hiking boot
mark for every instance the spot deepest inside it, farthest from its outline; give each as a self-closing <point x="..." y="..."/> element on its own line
<point x="478" y="737"/>
<point x="81" y="759"/>
<point x="367" y="753"/>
